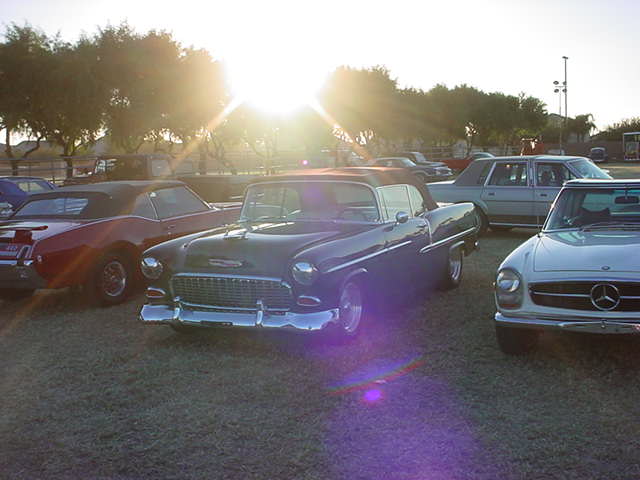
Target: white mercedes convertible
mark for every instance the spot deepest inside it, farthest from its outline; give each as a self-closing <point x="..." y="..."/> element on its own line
<point x="580" y="273"/>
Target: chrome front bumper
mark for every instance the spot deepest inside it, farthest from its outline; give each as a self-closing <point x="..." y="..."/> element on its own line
<point x="20" y="275"/>
<point x="297" y="322"/>
<point x="601" y="326"/>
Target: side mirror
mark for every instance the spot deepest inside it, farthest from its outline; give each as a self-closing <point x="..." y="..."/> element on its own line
<point x="402" y="217"/>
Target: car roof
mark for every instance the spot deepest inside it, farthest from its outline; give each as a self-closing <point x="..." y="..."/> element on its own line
<point x="602" y="183"/>
<point x="546" y="158"/>
<point x="116" y="188"/>
<point x="372" y="176"/>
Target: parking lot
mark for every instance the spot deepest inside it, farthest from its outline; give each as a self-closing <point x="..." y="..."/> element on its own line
<point x="91" y="393"/>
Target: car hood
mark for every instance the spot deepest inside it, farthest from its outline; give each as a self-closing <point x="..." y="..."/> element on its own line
<point x="261" y="249"/>
<point x="611" y="251"/>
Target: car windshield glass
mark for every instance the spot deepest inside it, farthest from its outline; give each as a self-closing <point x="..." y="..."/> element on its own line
<point x="588" y="170"/>
<point x="59" y="206"/>
<point x="596" y="208"/>
<point x="405" y="162"/>
<point x="315" y="201"/>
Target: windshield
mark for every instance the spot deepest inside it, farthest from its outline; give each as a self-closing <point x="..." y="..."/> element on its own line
<point x="587" y="169"/>
<point x="301" y="201"/>
<point x="60" y="206"/>
<point x="596" y="208"/>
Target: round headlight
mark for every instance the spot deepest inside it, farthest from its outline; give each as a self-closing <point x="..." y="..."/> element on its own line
<point x="304" y="272"/>
<point x="151" y="268"/>
<point x="508" y="289"/>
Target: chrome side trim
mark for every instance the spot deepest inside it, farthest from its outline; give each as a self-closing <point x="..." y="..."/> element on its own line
<point x="524" y="225"/>
<point x="447" y="240"/>
<point x="366" y="257"/>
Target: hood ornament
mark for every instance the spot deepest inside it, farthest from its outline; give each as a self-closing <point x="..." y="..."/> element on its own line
<point x="223" y="263"/>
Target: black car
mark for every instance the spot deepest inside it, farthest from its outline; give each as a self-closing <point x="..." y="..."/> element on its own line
<point x="311" y="252"/>
<point x="424" y="173"/>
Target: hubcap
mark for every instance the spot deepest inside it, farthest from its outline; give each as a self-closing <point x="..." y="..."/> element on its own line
<point x="351" y="307"/>
<point x="455" y="264"/>
<point x="114" y="278"/>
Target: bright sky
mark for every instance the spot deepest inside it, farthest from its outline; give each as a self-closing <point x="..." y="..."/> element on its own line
<point x="495" y="45"/>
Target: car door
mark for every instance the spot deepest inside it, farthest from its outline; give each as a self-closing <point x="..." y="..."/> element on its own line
<point x="182" y="212"/>
<point x="508" y="194"/>
<point x="549" y="178"/>
<point x="403" y="241"/>
<point x="151" y="229"/>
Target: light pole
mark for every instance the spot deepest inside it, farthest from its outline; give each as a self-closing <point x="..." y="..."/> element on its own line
<point x="560" y="89"/>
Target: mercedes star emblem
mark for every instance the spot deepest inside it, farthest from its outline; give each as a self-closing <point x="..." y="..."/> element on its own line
<point x="605" y="296"/>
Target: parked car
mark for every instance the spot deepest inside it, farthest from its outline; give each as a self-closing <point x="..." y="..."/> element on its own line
<point x="580" y="274"/>
<point x="460" y="164"/>
<point x="418" y="158"/>
<point x="15" y="190"/>
<point x="514" y="191"/>
<point x="212" y="188"/>
<point x="424" y="173"/>
<point x="312" y="251"/>
<point x="598" y="154"/>
<point x="93" y="235"/>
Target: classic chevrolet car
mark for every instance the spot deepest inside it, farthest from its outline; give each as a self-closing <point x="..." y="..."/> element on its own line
<point x="581" y="273"/>
<point x="514" y="191"/>
<point x="93" y="235"/>
<point x="312" y="251"/>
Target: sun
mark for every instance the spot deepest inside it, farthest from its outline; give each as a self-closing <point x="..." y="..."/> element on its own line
<point x="274" y="85"/>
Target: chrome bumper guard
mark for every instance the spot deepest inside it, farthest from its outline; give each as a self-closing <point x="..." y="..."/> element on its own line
<point x="20" y="274"/>
<point x="602" y="326"/>
<point x="261" y="318"/>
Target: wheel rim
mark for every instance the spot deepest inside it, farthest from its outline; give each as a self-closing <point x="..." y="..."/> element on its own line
<point x="455" y="265"/>
<point x="351" y="308"/>
<point x="114" y="278"/>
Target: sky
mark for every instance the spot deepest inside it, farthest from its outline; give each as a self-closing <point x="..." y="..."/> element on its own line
<point x="509" y="46"/>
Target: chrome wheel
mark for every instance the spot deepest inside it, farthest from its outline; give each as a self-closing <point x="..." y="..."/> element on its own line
<point x="114" y="279"/>
<point x="455" y="265"/>
<point x="351" y="307"/>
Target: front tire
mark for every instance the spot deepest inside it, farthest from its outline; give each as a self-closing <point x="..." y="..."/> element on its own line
<point x="452" y="276"/>
<point x="516" y="341"/>
<point x="111" y="280"/>
<point x="353" y="310"/>
<point x="483" y="221"/>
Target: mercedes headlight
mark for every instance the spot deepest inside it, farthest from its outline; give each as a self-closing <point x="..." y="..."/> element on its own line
<point x="151" y="268"/>
<point x="304" y="273"/>
<point x="508" y="288"/>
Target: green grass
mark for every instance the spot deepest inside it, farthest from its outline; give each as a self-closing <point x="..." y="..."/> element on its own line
<point x="90" y="393"/>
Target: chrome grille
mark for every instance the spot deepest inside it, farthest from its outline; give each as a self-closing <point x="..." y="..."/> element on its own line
<point x="232" y="293"/>
<point x="577" y="295"/>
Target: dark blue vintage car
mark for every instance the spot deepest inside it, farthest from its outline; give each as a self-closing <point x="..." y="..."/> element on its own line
<point x="312" y="251"/>
<point x="14" y="191"/>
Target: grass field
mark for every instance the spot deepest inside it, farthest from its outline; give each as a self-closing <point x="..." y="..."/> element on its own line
<point x="91" y="393"/>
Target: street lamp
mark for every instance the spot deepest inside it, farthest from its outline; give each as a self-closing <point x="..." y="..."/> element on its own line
<point x="562" y="89"/>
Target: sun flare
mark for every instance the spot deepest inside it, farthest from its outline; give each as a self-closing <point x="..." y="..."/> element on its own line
<point x="275" y="86"/>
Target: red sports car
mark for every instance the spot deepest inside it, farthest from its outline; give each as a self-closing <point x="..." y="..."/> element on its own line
<point x="93" y="235"/>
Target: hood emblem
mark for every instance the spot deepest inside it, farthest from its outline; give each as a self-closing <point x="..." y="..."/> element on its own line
<point x="222" y="263"/>
<point x="606" y="267"/>
<point x="605" y="296"/>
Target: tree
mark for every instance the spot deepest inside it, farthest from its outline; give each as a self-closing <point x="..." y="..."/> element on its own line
<point x="363" y="103"/>
<point x="581" y="125"/>
<point x="23" y="84"/>
<point x="140" y="73"/>
<point x="77" y="97"/>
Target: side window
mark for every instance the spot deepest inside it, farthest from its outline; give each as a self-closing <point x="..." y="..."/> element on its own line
<point x="509" y="175"/>
<point x="396" y="199"/>
<point x="143" y="207"/>
<point x="552" y="174"/>
<point x="483" y="173"/>
<point x="31" y="187"/>
<point x="417" y="202"/>
<point x="176" y="201"/>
